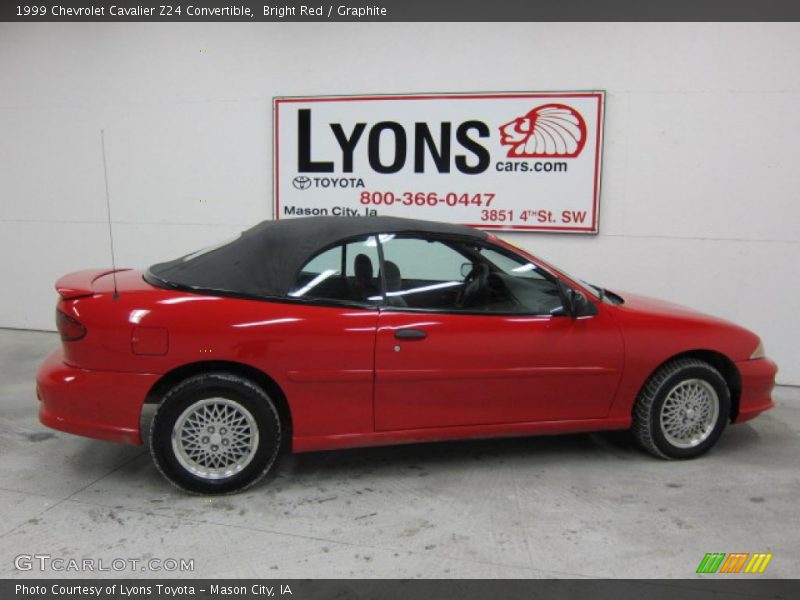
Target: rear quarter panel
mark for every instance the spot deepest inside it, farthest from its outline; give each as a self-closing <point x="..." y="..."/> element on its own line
<point x="321" y="357"/>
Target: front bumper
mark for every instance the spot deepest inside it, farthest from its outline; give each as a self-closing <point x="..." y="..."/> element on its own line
<point x="106" y="405"/>
<point x="758" y="379"/>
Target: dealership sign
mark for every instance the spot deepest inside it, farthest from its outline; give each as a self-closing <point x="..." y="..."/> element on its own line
<point x="512" y="161"/>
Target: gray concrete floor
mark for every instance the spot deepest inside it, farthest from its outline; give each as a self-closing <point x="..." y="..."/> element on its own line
<point x="568" y="506"/>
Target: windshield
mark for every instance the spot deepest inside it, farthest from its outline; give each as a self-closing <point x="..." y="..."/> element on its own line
<point x="597" y="291"/>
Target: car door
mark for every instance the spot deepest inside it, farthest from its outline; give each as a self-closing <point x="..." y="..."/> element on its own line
<point x="329" y="359"/>
<point x="447" y="357"/>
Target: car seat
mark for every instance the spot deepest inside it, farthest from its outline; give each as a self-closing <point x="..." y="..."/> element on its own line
<point x="363" y="285"/>
<point x="394" y="283"/>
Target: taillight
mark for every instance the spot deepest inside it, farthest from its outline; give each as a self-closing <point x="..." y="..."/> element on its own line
<point x="70" y="330"/>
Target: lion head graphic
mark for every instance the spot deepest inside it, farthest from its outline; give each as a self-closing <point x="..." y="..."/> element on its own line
<point x="549" y="130"/>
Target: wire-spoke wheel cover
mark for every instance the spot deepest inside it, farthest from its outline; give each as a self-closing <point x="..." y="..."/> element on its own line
<point x="689" y="413"/>
<point x="215" y="438"/>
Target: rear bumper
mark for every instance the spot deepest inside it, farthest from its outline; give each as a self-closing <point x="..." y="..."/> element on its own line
<point x="106" y="405"/>
<point x="758" y="379"/>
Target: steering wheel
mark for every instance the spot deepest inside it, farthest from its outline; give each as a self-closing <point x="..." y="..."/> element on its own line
<point x="474" y="284"/>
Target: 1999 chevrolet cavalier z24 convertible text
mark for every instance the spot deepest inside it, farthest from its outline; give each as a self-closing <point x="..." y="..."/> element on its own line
<point x="339" y="332"/>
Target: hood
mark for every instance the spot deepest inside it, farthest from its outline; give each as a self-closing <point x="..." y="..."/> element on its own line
<point x="663" y="308"/>
<point x="680" y="328"/>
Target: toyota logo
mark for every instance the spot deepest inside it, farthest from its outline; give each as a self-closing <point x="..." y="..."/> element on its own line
<point x="301" y="182"/>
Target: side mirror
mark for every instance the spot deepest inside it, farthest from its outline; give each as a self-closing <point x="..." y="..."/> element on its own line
<point x="466" y="269"/>
<point x="575" y="304"/>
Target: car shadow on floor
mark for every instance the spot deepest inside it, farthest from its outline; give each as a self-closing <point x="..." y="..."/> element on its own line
<point x="422" y="459"/>
<point x="531" y="452"/>
<point x="462" y="454"/>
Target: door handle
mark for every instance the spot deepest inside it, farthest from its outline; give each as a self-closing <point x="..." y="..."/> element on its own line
<point x="410" y="334"/>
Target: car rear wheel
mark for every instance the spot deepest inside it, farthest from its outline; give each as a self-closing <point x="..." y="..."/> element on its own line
<point x="682" y="410"/>
<point x="215" y="433"/>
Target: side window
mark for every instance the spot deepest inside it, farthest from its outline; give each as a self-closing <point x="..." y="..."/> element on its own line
<point x="422" y="273"/>
<point x="458" y="276"/>
<point x="347" y="272"/>
<point x="531" y="289"/>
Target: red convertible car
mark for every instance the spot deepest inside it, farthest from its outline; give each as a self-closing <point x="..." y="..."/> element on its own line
<point x="329" y="332"/>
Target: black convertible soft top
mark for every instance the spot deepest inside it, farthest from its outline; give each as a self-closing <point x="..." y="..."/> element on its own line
<point x="265" y="260"/>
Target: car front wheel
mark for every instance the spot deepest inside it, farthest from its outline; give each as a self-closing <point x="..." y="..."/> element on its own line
<point x="682" y="410"/>
<point x="215" y="433"/>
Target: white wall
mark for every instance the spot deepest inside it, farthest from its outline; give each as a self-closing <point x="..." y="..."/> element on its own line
<point x="701" y="169"/>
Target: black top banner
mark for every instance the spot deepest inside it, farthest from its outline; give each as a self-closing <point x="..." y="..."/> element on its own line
<point x="401" y="10"/>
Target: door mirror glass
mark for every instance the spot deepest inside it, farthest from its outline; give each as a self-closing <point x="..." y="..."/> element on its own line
<point x="465" y="269"/>
<point x="583" y="308"/>
<point x="575" y="304"/>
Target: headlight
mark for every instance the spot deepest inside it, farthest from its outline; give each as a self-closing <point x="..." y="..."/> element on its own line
<point x="759" y="351"/>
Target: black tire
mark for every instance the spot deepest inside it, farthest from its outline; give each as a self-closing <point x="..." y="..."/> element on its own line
<point x="676" y="375"/>
<point x="202" y="403"/>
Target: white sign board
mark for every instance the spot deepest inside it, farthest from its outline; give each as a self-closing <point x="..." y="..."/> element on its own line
<point x="515" y="161"/>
